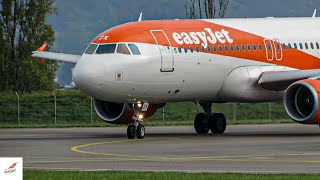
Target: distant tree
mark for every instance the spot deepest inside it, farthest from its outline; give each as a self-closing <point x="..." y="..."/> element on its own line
<point x="23" y="29"/>
<point x="206" y="8"/>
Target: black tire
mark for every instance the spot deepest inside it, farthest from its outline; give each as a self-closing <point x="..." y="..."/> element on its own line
<point x="199" y="124"/>
<point x="131" y="131"/>
<point x="141" y="131"/>
<point x="218" y="123"/>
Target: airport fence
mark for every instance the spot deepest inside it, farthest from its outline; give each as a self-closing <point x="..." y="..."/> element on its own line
<point x="74" y="107"/>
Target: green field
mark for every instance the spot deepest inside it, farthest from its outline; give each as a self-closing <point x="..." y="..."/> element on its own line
<point x="74" y="109"/>
<point x="48" y="175"/>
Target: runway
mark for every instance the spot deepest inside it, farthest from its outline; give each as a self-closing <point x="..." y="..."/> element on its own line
<point x="290" y="148"/>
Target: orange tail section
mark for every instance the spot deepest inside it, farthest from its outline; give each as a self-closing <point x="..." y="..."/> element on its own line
<point x="42" y="49"/>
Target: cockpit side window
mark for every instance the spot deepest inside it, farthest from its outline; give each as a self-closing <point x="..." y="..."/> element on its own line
<point x="123" y="49"/>
<point x="106" y="49"/>
<point x="134" y="49"/>
<point x="91" y="49"/>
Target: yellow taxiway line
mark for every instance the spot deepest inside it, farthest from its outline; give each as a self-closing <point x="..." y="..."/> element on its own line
<point x="235" y="158"/>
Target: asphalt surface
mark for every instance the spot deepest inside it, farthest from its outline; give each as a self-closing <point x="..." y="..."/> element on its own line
<point x="244" y="148"/>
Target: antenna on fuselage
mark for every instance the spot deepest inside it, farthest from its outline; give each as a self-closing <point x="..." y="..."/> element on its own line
<point x="314" y="13"/>
<point x="140" y="17"/>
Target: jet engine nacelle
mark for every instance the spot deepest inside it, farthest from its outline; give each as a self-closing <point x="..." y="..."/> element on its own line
<point x="301" y="101"/>
<point x="120" y="113"/>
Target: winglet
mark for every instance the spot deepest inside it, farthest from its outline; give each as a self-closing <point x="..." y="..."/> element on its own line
<point x="42" y="49"/>
<point x="314" y="13"/>
<point x="140" y="17"/>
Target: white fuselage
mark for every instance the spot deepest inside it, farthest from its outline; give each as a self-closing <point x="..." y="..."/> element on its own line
<point x="197" y="76"/>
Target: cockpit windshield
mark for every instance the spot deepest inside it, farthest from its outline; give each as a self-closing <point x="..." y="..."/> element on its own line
<point x="134" y="49"/>
<point x="106" y="49"/>
<point x="121" y="48"/>
<point x="91" y="49"/>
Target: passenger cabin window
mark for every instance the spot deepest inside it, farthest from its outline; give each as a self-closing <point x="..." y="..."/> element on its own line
<point x="106" y="49"/>
<point x="254" y="47"/>
<point x="226" y="48"/>
<point x="134" y="49"/>
<point x="301" y="46"/>
<point x="91" y="49"/>
<point x="249" y="47"/>
<point x="214" y="48"/>
<point x="232" y="48"/>
<point x="191" y="49"/>
<point x="312" y="46"/>
<point x="238" y="48"/>
<point x="243" y="47"/>
<point x="122" y="49"/>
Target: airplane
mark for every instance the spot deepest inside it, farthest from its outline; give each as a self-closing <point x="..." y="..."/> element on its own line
<point x="133" y="69"/>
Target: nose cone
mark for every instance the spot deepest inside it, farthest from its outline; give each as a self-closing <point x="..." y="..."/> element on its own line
<point x="88" y="76"/>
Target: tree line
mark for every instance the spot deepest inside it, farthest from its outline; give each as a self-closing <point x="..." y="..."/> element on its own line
<point x="209" y="9"/>
<point x="23" y="29"/>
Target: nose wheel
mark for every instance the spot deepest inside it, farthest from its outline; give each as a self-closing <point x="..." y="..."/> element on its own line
<point x="137" y="129"/>
<point x="131" y="131"/>
<point x="141" y="131"/>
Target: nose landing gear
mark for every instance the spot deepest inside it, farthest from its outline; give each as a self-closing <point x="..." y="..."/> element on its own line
<point x="137" y="128"/>
<point x="215" y="122"/>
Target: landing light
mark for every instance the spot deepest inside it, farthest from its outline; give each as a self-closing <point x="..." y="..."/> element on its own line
<point x="140" y="116"/>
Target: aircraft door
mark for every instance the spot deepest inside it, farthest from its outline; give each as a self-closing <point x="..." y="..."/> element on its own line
<point x="166" y="53"/>
<point x="278" y="49"/>
<point x="269" y="49"/>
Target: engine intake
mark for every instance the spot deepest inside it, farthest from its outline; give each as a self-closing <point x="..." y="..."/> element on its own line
<point x="301" y="101"/>
<point x="114" y="113"/>
<point x="120" y="113"/>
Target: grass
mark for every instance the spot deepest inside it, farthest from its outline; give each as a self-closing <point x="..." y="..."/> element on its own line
<point x="74" y="110"/>
<point x="68" y="175"/>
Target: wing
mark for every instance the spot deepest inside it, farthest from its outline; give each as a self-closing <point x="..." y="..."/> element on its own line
<point x="69" y="58"/>
<point x="280" y="81"/>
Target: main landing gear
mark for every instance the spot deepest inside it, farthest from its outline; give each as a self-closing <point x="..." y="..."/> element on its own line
<point x="215" y="122"/>
<point x="137" y="128"/>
